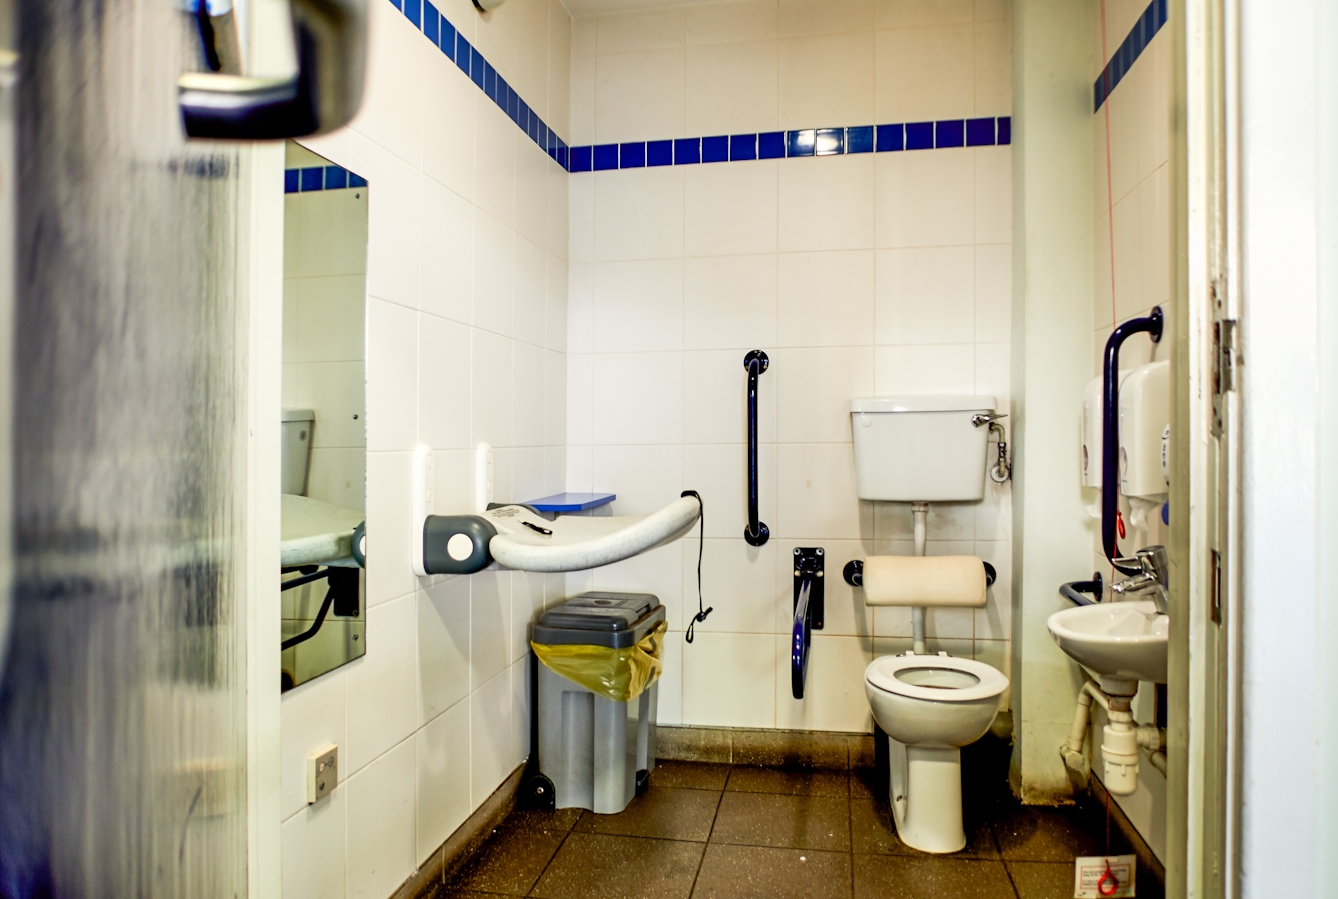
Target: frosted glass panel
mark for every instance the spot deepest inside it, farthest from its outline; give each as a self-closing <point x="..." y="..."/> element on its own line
<point x="122" y="705"/>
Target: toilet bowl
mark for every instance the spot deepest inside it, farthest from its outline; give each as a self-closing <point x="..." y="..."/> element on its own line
<point x="930" y="706"/>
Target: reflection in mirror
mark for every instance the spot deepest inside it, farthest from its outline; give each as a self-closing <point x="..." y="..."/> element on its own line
<point x="324" y="434"/>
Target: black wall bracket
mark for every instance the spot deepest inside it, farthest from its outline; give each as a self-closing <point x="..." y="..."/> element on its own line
<point x="808" y="564"/>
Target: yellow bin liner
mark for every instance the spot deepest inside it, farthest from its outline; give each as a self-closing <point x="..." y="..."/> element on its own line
<point x="618" y="674"/>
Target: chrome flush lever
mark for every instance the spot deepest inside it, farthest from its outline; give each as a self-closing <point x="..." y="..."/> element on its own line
<point x="324" y="94"/>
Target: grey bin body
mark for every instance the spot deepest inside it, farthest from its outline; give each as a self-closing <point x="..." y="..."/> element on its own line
<point x="592" y="747"/>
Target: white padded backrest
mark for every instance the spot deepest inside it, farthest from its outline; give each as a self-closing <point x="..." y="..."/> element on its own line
<point x="924" y="581"/>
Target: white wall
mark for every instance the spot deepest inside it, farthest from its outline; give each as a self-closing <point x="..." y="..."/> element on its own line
<point x="467" y="281"/>
<point x="858" y="275"/>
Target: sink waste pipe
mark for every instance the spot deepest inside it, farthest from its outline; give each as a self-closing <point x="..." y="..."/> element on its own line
<point x="1121" y="740"/>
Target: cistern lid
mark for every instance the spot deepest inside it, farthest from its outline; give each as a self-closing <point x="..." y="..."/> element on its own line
<point x="927" y="403"/>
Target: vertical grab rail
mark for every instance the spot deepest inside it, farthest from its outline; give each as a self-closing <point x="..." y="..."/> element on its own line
<point x="1110" y="430"/>
<point x="756" y="532"/>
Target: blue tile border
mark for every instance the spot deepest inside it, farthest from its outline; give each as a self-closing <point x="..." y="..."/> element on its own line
<point x="977" y="132"/>
<point x="1144" y="30"/>
<point x="424" y="16"/>
<point x="313" y="178"/>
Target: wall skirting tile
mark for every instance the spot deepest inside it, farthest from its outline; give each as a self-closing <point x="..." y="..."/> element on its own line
<point x="772" y="748"/>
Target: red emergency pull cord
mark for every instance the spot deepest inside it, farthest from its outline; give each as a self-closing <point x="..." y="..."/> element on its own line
<point x="1119" y="523"/>
<point x="1108" y="884"/>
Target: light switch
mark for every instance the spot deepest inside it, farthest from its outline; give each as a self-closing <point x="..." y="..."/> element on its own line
<point x="322" y="773"/>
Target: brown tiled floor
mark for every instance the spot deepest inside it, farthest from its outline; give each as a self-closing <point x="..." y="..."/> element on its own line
<point x="709" y="831"/>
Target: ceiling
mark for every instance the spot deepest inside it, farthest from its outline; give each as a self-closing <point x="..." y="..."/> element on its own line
<point x="594" y="7"/>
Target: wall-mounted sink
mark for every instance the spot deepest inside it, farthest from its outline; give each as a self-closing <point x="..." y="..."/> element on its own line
<point x="1119" y="643"/>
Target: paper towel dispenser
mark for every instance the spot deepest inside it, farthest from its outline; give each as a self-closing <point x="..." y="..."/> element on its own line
<point x="1144" y="430"/>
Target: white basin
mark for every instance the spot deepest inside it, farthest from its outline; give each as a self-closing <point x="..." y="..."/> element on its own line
<point x="1115" y="641"/>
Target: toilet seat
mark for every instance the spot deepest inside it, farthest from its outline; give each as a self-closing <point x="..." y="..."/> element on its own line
<point x="882" y="674"/>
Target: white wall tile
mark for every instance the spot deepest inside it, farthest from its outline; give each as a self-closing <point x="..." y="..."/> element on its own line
<point x="530" y="298"/>
<point x="911" y="13"/>
<point x="826" y="299"/>
<point x="638" y="214"/>
<point x="814" y="389"/>
<point x="529" y="368"/>
<point x="670" y="695"/>
<point x="926" y="199"/>
<point x="527" y="603"/>
<point x="443" y="778"/>
<point x="715" y="403"/>
<point x="444" y="383"/>
<point x="489" y="737"/>
<point x="489" y="626"/>
<point x="924" y="74"/>
<point x="645" y="478"/>
<point x="383" y="685"/>
<point x="826" y="203"/>
<point x="448" y="250"/>
<point x="494" y="274"/>
<point x="381" y="811"/>
<point x="994" y="194"/>
<point x="555" y="399"/>
<point x="824" y="16"/>
<point x="449" y="118"/>
<point x="312" y="717"/>
<point x="390" y="113"/>
<point x="833" y="689"/>
<point x="555" y="309"/>
<point x="729" y="680"/>
<point x="531" y="184"/>
<point x="730" y="209"/>
<point x="394" y="222"/>
<point x="926" y="295"/>
<point x="993" y="364"/>
<point x="443" y="646"/>
<point x="816" y="493"/>
<point x="639" y="95"/>
<point x="495" y="144"/>
<point x="640" y="30"/>
<point x="729" y="302"/>
<point x="722" y="23"/>
<point x="738" y="582"/>
<point x="313" y="850"/>
<point x="826" y="81"/>
<point x="392" y="376"/>
<point x="994" y="292"/>
<point x="491" y="386"/>
<point x="638" y="398"/>
<point x="732" y="88"/>
<point x="943" y="368"/>
<point x="638" y="306"/>
<point x="994" y="67"/>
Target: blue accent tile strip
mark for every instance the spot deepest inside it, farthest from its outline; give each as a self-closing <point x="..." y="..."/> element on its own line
<point x="979" y="132"/>
<point x="1144" y="30"/>
<point x="313" y="178"/>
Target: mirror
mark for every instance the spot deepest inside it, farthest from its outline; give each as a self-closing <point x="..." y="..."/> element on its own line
<point x="324" y="434"/>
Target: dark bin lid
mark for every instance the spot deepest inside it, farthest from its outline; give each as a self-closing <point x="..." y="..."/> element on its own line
<point x="617" y="620"/>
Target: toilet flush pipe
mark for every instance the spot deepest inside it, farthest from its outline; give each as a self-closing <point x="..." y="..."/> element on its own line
<point x="921" y="513"/>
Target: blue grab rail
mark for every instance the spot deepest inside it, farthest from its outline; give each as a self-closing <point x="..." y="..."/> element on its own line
<point x="802" y="637"/>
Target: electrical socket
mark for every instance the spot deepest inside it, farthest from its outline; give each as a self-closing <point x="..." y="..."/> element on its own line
<point x="322" y="773"/>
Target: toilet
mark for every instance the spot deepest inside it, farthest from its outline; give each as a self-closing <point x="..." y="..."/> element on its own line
<point x="922" y="449"/>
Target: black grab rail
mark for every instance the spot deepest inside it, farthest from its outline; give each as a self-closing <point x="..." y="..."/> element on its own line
<point x="756" y="532"/>
<point x="809" y="612"/>
<point x="1110" y="429"/>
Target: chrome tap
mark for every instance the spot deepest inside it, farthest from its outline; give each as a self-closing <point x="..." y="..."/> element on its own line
<point x="1154" y="577"/>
